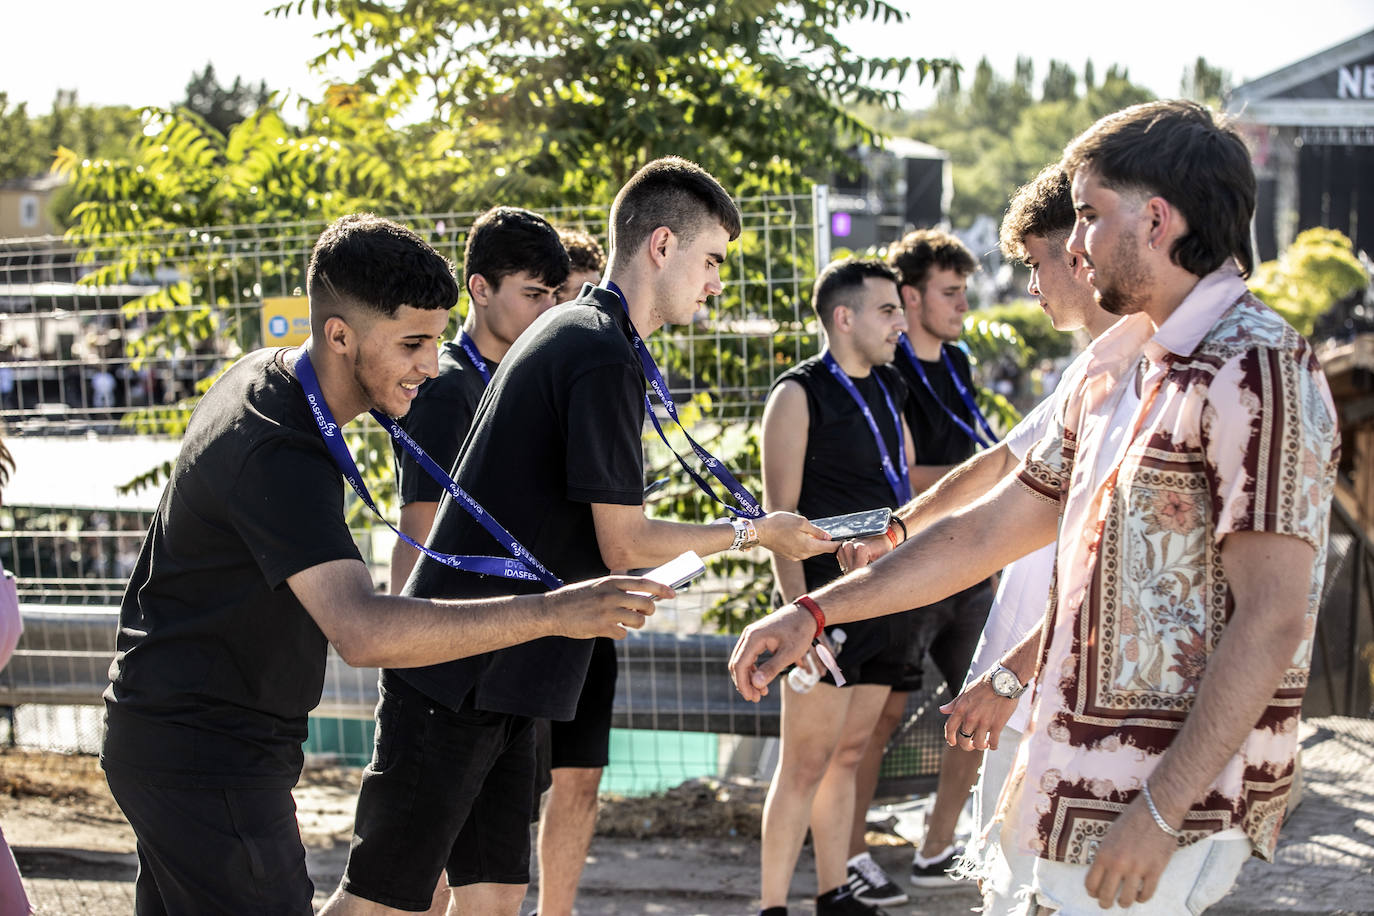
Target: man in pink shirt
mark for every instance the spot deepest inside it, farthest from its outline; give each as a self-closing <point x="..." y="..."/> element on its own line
<point x="1190" y="552"/>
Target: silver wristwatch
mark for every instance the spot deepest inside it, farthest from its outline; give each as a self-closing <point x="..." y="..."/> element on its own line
<point x="1005" y="683"/>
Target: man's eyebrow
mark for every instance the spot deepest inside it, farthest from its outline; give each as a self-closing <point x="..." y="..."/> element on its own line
<point x="1081" y="205"/>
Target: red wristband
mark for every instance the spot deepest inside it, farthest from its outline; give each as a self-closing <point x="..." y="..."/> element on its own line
<point x="892" y="536"/>
<point x="810" y="604"/>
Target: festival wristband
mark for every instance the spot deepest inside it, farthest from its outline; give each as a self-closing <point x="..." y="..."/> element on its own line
<point x="892" y="534"/>
<point x="809" y="603"/>
<point x="822" y="650"/>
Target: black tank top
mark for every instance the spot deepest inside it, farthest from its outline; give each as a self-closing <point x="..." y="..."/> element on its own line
<point x="843" y="470"/>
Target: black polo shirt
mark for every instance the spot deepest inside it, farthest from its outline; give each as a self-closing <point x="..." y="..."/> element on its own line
<point x="217" y="664"/>
<point x="558" y="430"/>
<point x="438" y="421"/>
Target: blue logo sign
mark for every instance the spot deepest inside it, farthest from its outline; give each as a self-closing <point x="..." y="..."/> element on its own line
<point x="277" y="326"/>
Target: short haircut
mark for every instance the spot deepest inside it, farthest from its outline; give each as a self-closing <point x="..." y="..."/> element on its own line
<point x="840" y="279"/>
<point x="363" y="263"/>
<point x="1185" y="153"/>
<point x="584" y="252"/>
<point x="508" y="240"/>
<point x="669" y="192"/>
<point x="1042" y="207"/>
<point x="925" y="249"/>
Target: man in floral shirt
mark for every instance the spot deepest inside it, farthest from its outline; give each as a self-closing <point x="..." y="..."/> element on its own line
<point x="1191" y="548"/>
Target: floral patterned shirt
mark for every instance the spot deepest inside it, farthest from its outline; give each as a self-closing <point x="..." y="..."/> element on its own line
<point x="1241" y="436"/>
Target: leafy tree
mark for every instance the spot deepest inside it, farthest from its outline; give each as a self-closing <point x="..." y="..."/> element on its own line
<point x="1204" y="83"/>
<point x="1319" y="270"/>
<point x="18" y="148"/>
<point x="998" y="136"/>
<point x="579" y="95"/>
<point x="223" y="106"/>
<point x="29" y="143"/>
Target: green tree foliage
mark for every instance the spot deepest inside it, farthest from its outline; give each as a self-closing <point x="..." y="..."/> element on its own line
<point x="576" y="96"/>
<point x="223" y="106"/>
<point x="999" y="135"/>
<point x="29" y="143"/>
<point x="1317" y="271"/>
<point x="1204" y="83"/>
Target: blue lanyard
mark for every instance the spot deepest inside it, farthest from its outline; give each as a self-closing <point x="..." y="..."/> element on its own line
<point x="523" y="566"/>
<point x="475" y="356"/>
<point x="900" y="483"/>
<point x="745" y="504"/>
<point x="964" y="394"/>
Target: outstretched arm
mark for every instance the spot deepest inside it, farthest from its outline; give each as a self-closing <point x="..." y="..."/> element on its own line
<point x="389" y="631"/>
<point x="950" y="555"/>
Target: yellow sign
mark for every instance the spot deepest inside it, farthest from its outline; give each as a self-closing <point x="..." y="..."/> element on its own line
<point x="285" y="321"/>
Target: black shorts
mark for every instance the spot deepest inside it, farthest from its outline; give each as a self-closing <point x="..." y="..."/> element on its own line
<point x="446" y="790"/>
<point x="585" y="740"/>
<point x="213" y="851"/>
<point x="949" y="631"/>
<point x="873" y="651"/>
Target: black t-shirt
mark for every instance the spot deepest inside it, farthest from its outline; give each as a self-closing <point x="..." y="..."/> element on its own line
<point x="438" y="421"/>
<point x="938" y="440"/>
<point x="217" y="664"/>
<point x="558" y="430"/>
<point x="843" y="469"/>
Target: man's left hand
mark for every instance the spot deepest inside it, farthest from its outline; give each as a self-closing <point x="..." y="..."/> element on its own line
<point x="977" y="717"/>
<point x="1130" y="858"/>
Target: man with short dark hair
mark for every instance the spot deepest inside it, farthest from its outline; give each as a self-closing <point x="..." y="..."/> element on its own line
<point x="1190" y="555"/>
<point x="249" y="573"/>
<point x="835" y="442"/>
<point x="577" y="751"/>
<point x="555" y="454"/>
<point x="513" y="264"/>
<point x="946" y="428"/>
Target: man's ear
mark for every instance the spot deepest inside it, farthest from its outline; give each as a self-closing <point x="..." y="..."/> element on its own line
<point x="842" y="319"/>
<point x="911" y="297"/>
<point x="660" y="244"/>
<point x="1165" y="222"/>
<point x="339" y="336"/>
<point x="479" y="289"/>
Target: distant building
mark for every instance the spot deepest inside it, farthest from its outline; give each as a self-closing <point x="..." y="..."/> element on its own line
<point x="24" y="206"/>
<point x="1311" y="131"/>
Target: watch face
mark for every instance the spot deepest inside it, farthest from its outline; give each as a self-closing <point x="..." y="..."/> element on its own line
<point x="1005" y="683"/>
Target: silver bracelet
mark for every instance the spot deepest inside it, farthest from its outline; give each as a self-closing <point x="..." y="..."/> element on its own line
<point x="1159" y="818"/>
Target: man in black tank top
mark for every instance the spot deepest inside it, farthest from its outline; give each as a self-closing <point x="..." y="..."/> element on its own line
<point x="834" y="441"/>
<point x="933" y="269"/>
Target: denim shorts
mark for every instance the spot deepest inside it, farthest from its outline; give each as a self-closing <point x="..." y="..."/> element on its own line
<point x="446" y="790"/>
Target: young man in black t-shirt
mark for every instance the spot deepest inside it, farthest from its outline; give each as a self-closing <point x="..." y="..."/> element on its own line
<point x="821" y="457"/>
<point x="248" y="572"/>
<point x="513" y="266"/>
<point x="578" y="750"/>
<point x="555" y="454"/>
<point x="934" y="268"/>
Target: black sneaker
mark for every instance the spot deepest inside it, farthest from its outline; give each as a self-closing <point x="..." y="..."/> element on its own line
<point x="935" y="872"/>
<point x="842" y="902"/>
<point x="870" y="883"/>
